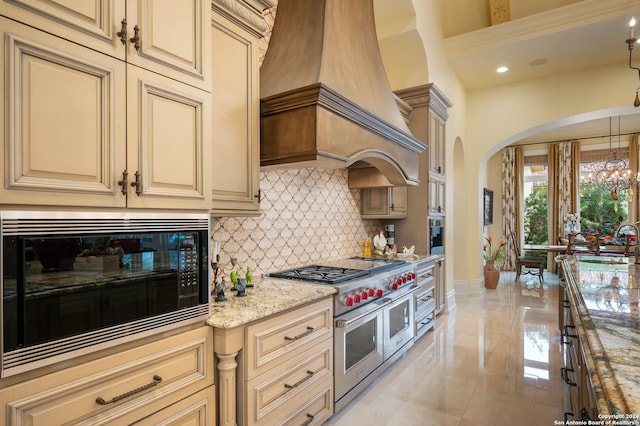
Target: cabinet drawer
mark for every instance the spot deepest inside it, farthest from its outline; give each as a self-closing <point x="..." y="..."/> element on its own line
<point x="314" y="412"/>
<point x="425" y="323"/>
<point x="424" y="298"/>
<point x="198" y="409"/>
<point x="290" y="384"/>
<point x="286" y="335"/>
<point x="120" y="388"/>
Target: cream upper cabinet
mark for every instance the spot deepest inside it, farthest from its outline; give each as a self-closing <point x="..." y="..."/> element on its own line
<point x="168" y="37"/>
<point x="167" y="142"/>
<point x="91" y="23"/>
<point x="383" y="203"/>
<point x="436" y="143"/>
<point x="171" y="38"/>
<point x="87" y="127"/>
<point x="235" y="157"/>
<point x="65" y="111"/>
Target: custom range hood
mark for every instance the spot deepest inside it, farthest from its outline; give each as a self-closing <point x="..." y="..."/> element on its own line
<point x="325" y="98"/>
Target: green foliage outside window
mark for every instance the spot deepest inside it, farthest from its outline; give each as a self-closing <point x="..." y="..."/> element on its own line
<point x="535" y="215"/>
<point x="597" y="211"/>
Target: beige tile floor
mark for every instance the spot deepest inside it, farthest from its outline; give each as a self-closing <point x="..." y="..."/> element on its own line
<point x="495" y="360"/>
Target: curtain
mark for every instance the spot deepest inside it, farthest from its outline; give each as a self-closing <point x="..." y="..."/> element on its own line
<point x="564" y="181"/>
<point x="634" y="206"/>
<point x="512" y="178"/>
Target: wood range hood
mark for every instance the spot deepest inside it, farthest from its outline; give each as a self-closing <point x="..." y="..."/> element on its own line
<point x="325" y="100"/>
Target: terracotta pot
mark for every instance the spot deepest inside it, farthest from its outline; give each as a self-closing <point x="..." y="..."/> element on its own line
<point x="491" y="275"/>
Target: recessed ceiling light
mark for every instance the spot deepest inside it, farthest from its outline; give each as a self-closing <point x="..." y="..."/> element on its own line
<point x="502" y="69"/>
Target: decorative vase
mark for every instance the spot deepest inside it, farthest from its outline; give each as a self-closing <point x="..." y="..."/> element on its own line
<point x="491" y="275"/>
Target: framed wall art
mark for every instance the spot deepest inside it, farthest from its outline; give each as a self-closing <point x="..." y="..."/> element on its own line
<point x="488" y="206"/>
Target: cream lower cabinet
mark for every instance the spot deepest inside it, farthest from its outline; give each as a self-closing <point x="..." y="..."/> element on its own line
<point x="236" y="119"/>
<point x="441" y="288"/>
<point x="424" y="297"/>
<point x="171" y="380"/>
<point x="281" y="368"/>
<point x="85" y="128"/>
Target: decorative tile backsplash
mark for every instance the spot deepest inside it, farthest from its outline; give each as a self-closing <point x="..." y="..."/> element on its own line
<point x="308" y="215"/>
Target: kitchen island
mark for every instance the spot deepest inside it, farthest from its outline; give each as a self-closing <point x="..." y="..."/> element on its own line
<point x="600" y="325"/>
<point x="274" y="352"/>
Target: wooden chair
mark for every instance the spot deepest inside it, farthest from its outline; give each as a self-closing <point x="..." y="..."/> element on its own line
<point x="589" y="240"/>
<point x="533" y="265"/>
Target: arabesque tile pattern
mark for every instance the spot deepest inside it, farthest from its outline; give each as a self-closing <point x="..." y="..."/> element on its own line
<point x="308" y="215"/>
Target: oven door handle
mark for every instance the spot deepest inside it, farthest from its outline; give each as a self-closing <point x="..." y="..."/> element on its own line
<point x="345" y="323"/>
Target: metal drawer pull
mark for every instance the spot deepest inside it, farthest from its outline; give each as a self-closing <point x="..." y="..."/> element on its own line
<point x="309" y="420"/>
<point x="301" y="335"/>
<point x="426" y="298"/>
<point x="156" y="381"/>
<point x="301" y="381"/>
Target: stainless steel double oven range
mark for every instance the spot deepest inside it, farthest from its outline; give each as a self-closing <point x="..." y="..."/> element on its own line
<point x="373" y="316"/>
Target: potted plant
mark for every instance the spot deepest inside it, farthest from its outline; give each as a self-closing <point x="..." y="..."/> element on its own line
<point x="493" y="259"/>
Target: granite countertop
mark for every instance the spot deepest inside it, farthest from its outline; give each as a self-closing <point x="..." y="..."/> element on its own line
<point x="606" y="291"/>
<point x="269" y="296"/>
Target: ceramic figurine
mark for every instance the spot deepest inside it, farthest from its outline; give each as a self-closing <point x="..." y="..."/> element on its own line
<point x="235" y="271"/>
<point x="249" y="277"/>
<point x="220" y="287"/>
<point x="241" y="287"/>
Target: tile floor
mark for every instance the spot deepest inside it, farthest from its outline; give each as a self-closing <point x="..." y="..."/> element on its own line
<point x="495" y="360"/>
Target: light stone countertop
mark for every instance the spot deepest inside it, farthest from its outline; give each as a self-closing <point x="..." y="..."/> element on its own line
<point x="606" y="292"/>
<point x="269" y="296"/>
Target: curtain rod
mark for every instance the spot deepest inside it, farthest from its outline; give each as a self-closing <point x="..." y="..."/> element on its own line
<point x="573" y="139"/>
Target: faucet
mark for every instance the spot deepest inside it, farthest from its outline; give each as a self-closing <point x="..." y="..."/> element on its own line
<point x="636" y="232"/>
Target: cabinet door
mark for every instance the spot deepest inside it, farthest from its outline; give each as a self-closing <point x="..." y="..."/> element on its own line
<point x="436" y="195"/>
<point x="64" y="107"/>
<point x="174" y="39"/>
<point x="167" y="142"/>
<point x="236" y="120"/>
<point x="399" y="200"/>
<point x="91" y="23"/>
<point x="434" y="144"/>
<point x="374" y="202"/>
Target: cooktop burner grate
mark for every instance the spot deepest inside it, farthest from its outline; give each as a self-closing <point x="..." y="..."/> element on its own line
<point x="320" y="273"/>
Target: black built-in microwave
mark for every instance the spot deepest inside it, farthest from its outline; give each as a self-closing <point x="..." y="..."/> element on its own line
<point x="73" y="282"/>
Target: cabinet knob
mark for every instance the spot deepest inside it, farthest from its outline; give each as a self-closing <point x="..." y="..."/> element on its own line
<point x="137" y="184"/>
<point x="123" y="32"/>
<point x="124" y="183"/>
<point x="136" y="38"/>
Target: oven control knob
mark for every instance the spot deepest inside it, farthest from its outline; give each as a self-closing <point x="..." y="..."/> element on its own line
<point x="347" y="301"/>
<point x="380" y="292"/>
<point x="364" y="295"/>
<point x="394" y="285"/>
<point x="413" y="276"/>
<point x="404" y="279"/>
<point x="372" y="292"/>
<point x="399" y="281"/>
<point x="356" y="298"/>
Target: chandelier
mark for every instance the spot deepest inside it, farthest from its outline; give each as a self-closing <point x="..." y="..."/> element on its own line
<point x="615" y="176"/>
<point x="631" y="42"/>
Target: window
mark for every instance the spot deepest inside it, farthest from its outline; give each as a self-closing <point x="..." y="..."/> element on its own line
<point x="535" y="190"/>
<point x="598" y="209"/>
